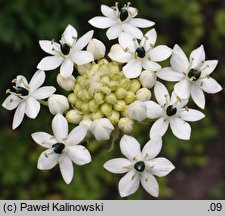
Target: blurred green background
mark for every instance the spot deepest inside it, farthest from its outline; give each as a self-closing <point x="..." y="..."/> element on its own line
<point x="200" y="162"/>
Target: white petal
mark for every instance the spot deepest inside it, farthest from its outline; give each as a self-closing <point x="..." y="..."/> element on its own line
<point x="183" y="89"/>
<point x="129" y="184"/>
<point x="191" y="115"/>
<point x="208" y="67"/>
<point x="161" y="166"/>
<point x="37" y="80"/>
<point x="102" y="22"/>
<point x="159" y="128"/>
<point x="66" y="168"/>
<point x="169" y="74"/>
<point x="210" y="85"/>
<point x="69" y="35"/>
<point x="43" y="92"/>
<point x="66" y="68"/>
<point x="60" y="127"/>
<point x="161" y="93"/>
<point x="198" y="96"/>
<point x="150" y="184"/>
<point x="44" y="139"/>
<point x="149" y="39"/>
<point x="50" y="47"/>
<point x="83" y="41"/>
<point x="130" y="147"/>
<point x="180" y="128"/>
<point x="160" y="53"/>
<point x="11" y="102"/>
<point x="150" y="65"/>
<point x="179" y="61"/>
<point x="113" y="32"/>
<point x="32" y="107"/>
<point x="118" y="165"/>
<point x="132" y="30"/>
<point x="47" y="160"/>
<point x="197" y="57"/>
<point x="82" y="57"/>
<point x="77" y="135"/>
<point x="127" y="43"/>
<point x="50" y="62"/>
<point x="79" y="154"/>
<point x="133" y="68"/>
<point x="141" y="23"/>
<point x="19" y="114"/>
<point x="154" y="110"/>
<point x="107" y="11"/>
<point x="152" y="148"/>
<point x="180" y="103"/>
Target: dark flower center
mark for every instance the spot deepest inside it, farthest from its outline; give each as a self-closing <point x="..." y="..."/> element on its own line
<point x="65" y="49"/>
<point x="140" y="52"/>
<point x="194" y="74"/>
<point x="58" y="148"/>
<point x="171" y="110"/>
<point x="22" y="91"/>
<point x="140" y="166"/>
<point x="123" y="14"/>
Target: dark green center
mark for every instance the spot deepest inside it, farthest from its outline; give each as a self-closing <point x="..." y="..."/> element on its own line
<point x="140" y="166"/>
<point x="22" y="91"/>
<point x="123" y="14"/>
<point x="65" y="49"/>
<point x="58" y="147"/>
<point x="171" y="110"/>
<point x="140" y="52"/>
<point x="194" y="74"/>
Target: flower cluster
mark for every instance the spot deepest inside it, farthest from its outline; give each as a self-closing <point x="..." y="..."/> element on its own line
<point x="111" y="93"/>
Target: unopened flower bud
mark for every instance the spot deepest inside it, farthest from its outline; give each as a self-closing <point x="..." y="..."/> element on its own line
<point x="137" y="110"/>
<point x="87" y="123"/>
<point x="78" y="103"/>
<point x="106" y="109"/>
<point x="73" y="116"/>
<point x="124" y="83"/>
<point x="124" y="113"/>
<point x="114" y="117"/>
<point x="148" y="78"/>
<point x="86" y="116"/>
<point x="119" y="106"/>
<point x="103" y="61"/>
<point x="134" y="85"/>
<point x="121" y="93"/>
<point x="99" y="98"/>
<point x="130" y="98"/>
<point x="72" y="98"/>
<point x="57" y="104"/>
<point x="114" y="67"/>
<point x="85" y="108"/>
<point x="126" y="125"/>
<point x="143" y="94"/>
<point x="93" y="106"/>
<point x="83" y="68"/>
<point x="97" y="48"/>
<point x="111" y="98"/>
<point x="66" y="83"/>
<point x="96" y="115"/>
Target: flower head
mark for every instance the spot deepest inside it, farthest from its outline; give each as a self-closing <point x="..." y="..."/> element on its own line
<point x="24" y="97"/>
<point x="140" y="166"/>
<point x="120" y="20"/>
<point x="62" y="148"/>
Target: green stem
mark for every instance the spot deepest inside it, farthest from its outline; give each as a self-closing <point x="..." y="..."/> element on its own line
<point x="43" y="102"/>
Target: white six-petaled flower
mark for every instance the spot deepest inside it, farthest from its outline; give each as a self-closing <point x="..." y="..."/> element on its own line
<point x="170" y="111"/>
<point x="63" y="148"/>
<point x="139" y="55"/>
<point x="67" y="52"/>
<point x="193" y="75"/>
<point x="119" y="21"/>
<point x="25" y="97"/>
<point x="140" y="166"/>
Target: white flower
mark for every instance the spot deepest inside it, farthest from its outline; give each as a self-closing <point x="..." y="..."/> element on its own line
<point x="137" y="110"/>
<point x="170" y="111"/>
<point x="57" y="104"/>
<point x="97" y="48"/>
<point x="66" y="83"/>
<point x="74" y="116"/>
<point x="120" y="20"/>
<point x="140" y="166"/>
<point x="139" y="55"/>
<point x="68" y="52"/>
<point x="126" y="124"/>
<point x="25" y="97"/>
<point x="101" y="128"/>
<point x="63" y="149"/>
<point x="193" y="75"/>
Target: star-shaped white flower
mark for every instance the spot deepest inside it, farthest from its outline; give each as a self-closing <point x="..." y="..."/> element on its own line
<point x="25" y="97"/>
<point x="120" y="20"/>
<point x="67" y="52"/>
<point x="140" y="166"/>
<point x="193" y="75"/>
<point x="139" y="55"/>
<point x="170" y="111"/>
<point x="63" y="148"/>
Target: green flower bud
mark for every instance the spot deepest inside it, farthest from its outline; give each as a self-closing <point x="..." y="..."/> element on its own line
<point x="86" y="116"/>
<point x="78" y="103"/>
<point x="134" y="85"/>
<point x="126" y="125"/>
<point x="79" y="94"/>
<point x="143" y="94"/>
<point x="106" y="90"/>
<point x="72" y="98"/>
<point x="93" y="106"/>
<point x="83" y="68"/>
<point x="124" y="113"/>
<point x="124" y="83"/>
<point x="86" y="95"/>
<point x="103" y="67"/>
<point x="114" y="67"/>
<point x="99" y="98"/>
<point x="103" y="61"/>
<point x="85" y="108"/>
<point x="76" y="88"/>
<point x="73" y="116"/>
<point x="96" y="115"/>
<point x="119" y="106"/>
<point x="114" y="117"/>
<point x="111" y="98"/>
<point x="130" y="98"/>
<point x="106" y="109"/>
<point x="121" y="93"/>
